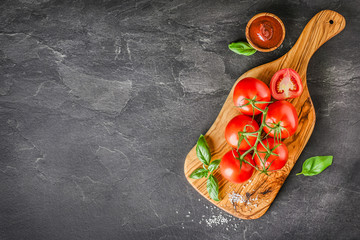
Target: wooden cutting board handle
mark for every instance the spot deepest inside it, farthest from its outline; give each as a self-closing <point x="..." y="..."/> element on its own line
<point x="322" y="27"/>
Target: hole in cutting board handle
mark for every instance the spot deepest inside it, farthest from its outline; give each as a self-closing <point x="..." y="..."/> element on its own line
<point x="331" y="21"/>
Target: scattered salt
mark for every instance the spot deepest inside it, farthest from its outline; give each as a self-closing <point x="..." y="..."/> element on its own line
<point x="216" y="217"/>
<point x="236" y="198"/>
<point x="216" y="220"/>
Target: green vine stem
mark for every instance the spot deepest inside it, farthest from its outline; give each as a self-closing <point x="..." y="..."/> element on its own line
<point x="243" y="136"/>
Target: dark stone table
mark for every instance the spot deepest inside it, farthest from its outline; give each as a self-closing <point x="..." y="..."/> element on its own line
<point x="100" y="102"/>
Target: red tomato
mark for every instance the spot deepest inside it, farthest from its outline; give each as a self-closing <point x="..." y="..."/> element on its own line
<point x="251" y="88"/>
<point x="286" y="83"/>
<point x="277" y="162"/>
<point x="283" y="117"/>
<point x="239" y="124"/>
<point x="230" y="167"/>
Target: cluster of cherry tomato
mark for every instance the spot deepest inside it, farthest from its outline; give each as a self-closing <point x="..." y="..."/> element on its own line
<point x="257" y="146"/>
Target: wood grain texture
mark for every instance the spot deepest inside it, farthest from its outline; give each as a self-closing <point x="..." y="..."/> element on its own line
<point x="262" y="190"/>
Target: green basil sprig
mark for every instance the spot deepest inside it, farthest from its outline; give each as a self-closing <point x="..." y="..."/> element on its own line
<point x="242" y="48"/>
<point x="204" y="155"/>
<point x="315" y="165"/>
<point x="203" y="150"/>
<point x="212" y="186"/>
<point x="199" y="173"/>
<point x="214" y="165"/>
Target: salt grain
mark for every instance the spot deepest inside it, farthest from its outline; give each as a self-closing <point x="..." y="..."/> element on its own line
<point x="216" y="220"/>
<point x="236" y="198"/>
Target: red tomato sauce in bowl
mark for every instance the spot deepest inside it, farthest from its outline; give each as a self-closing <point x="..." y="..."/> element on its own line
<point x="265" y="32"/>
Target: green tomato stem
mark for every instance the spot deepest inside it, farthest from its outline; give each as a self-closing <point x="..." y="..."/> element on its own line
<point x="259" y="139"/>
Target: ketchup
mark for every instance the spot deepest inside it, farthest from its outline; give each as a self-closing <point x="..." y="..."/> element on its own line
<point x="265" y="32"/>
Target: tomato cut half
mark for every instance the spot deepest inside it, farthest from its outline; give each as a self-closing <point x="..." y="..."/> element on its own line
<point x="286" y="83"/>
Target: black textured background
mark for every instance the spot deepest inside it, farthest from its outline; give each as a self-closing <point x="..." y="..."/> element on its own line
<point x="100" y="102"/>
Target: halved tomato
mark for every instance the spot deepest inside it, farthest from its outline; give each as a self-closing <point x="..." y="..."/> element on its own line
<point x="286" y="83"/>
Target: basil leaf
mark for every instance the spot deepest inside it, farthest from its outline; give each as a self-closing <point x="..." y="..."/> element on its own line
<point x="214" y="165"/>
<point x="242" y="48"/>
<point x="203" y="151"/>
<point x="199" y="173"/>
<point x="213" y="187"/>
<point x="316" y="165"/>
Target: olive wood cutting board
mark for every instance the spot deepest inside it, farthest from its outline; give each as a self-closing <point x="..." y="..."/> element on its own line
<point x="260" y="191"/>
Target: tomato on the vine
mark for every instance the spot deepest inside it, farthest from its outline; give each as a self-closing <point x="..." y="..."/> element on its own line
<point x="241" y="123"/>
<point x="231" y="170"/>
<point x="253" y="89"/>
<point x="275" y="162"/>
<point x="286" y="83"/>
<point x="281" y="120"/>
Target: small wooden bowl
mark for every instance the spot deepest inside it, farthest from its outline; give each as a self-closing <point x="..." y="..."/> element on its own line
<point x="248" y="34"/>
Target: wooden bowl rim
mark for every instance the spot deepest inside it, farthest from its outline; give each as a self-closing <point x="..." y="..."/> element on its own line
<point x="248" y="35"/>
